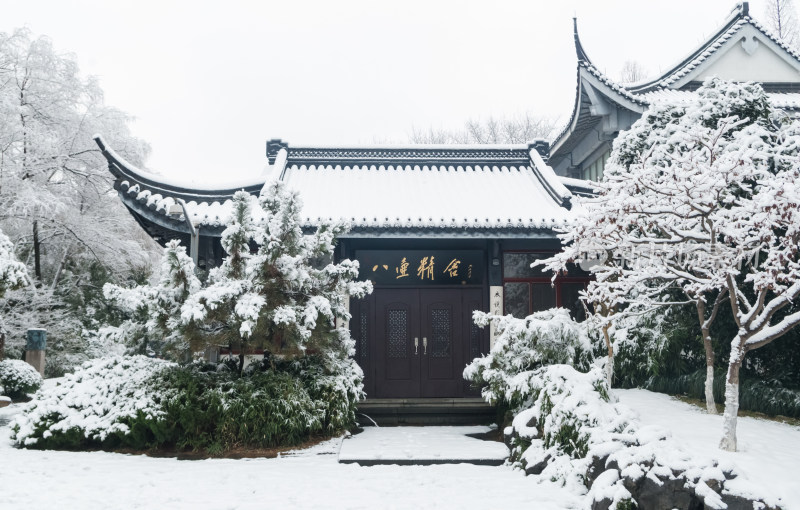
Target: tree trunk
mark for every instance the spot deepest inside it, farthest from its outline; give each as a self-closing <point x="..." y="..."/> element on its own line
<point x="37" y="256"/>
<point x="711" y="406"/>
<point x="2" y="345"/>
<point x="728" y="442"/>
<point x="241" y="360"/>
<point x="60" y="268"/>
<point x="609" y="368"/>
<point x="705" y="326"/>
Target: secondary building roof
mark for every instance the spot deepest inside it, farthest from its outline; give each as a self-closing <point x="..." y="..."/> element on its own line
<point x="740" y="50"/>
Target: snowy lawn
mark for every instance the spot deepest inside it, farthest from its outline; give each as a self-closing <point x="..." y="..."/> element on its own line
<point x="313" y="478"/>
<point x="769" y="452"/>
<point x="309" y="479"/>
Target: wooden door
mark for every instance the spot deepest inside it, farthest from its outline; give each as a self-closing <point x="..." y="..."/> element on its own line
<point x="421" y="341"/>
<point x="442" y="357"/>
<point x="397" y="344"/>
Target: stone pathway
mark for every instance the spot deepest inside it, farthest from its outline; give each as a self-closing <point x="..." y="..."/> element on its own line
<point x="420" y="446"/>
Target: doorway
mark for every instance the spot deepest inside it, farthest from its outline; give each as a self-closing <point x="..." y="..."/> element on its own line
<point x="420" y="341"/>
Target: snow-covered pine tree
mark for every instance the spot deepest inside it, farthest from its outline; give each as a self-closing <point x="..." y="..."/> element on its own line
<point x="155" y="326"/>
<point x="286" y="297"/>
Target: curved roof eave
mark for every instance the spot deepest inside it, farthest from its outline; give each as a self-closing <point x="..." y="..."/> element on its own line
<point x="123" y="170"/>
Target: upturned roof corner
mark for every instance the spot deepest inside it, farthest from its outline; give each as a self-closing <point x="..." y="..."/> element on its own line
<point x="579" y="51"/>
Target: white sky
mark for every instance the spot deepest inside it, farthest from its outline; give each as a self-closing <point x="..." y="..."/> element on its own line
<point x="210" y="82"/>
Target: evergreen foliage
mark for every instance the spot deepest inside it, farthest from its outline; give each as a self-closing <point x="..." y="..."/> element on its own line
<point x="154" y="326"/>
<point x="544" y="338"/>
<point x="141" y="403"/>
<point x="284" y="298"/>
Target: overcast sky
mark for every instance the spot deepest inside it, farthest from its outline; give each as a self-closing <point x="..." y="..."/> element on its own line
<point x="210" y="82"/>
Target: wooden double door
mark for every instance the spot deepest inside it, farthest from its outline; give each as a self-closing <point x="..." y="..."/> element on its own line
<point x="420" y="341"/>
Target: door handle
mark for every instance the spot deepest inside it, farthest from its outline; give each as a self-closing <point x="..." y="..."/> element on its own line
<point x="416" y="345"/>
<point x="425" y="344"/>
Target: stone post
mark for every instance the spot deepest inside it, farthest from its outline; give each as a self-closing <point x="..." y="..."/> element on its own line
<point x="35" y="347"/>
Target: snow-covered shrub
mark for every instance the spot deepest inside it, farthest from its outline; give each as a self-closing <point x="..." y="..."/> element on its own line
<point x="18" y="378"/>
<point x="543" y="338"/>
<point x="565" y="409"/>
<point x="279" y="402"/>
<point x="217" y="410"/>
<point x="138" y="402"/>
<point x="573" y="432"/>
<point x="334" y="382"/>
<point x="92" y="406"/>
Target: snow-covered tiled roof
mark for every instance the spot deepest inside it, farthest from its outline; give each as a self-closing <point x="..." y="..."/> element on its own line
<point x="393" y="188"/>
<point x="739" y="18"/>
<point x="427" y="196"/>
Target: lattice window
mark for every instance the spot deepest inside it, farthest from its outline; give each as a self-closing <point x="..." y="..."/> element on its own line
<point x="398" y="333"/>
<point x="364" y="332"/>
<point x="474" y="341"/>
<point x="442" y="329"/>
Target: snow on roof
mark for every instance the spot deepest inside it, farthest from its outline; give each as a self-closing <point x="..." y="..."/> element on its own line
<point x="425" y="196"/>
<point x="739" y="19"/>
<point x="445" y="187"/>
<point x="657" y="89"/>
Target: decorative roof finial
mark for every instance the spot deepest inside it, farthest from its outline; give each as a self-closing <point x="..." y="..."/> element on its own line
<point x="578" y="47"/>
<point x="745" y="8"/>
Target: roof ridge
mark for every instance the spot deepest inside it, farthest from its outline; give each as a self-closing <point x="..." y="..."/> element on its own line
<point x="407" y="154"/>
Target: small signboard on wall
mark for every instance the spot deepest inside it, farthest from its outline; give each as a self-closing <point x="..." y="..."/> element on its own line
<point x="495" y="308"/>
<point x="422" y="267"/>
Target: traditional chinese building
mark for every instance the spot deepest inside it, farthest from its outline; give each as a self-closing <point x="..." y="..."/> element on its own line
<point x="440" y="230"/>
<point x="446" y="230"/>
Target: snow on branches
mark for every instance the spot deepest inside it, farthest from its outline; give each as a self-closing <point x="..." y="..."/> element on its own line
<point x="700" y="196"/>
<point x="284" y="296"/>
<point x="158" y="306"/>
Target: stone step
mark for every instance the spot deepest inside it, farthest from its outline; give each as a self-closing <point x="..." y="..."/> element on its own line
<point x="425" y="411"/>
<point x="422" y="446"/>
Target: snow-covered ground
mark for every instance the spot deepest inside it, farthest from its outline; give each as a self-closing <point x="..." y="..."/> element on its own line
<point x="422" y="445"/>
<point x="313" y="478"/>
<point x="769" y="452"/>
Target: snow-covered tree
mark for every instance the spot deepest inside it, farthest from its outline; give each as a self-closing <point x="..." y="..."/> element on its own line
<point x="764" y="226"/>
<point x="285" y="297"/>
<point x="677" y="184"/>
<point x="632" y="72"/>
<point x="57" y="203"/>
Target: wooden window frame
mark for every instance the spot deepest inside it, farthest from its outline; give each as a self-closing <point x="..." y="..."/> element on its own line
<point x="560" y="279"/>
